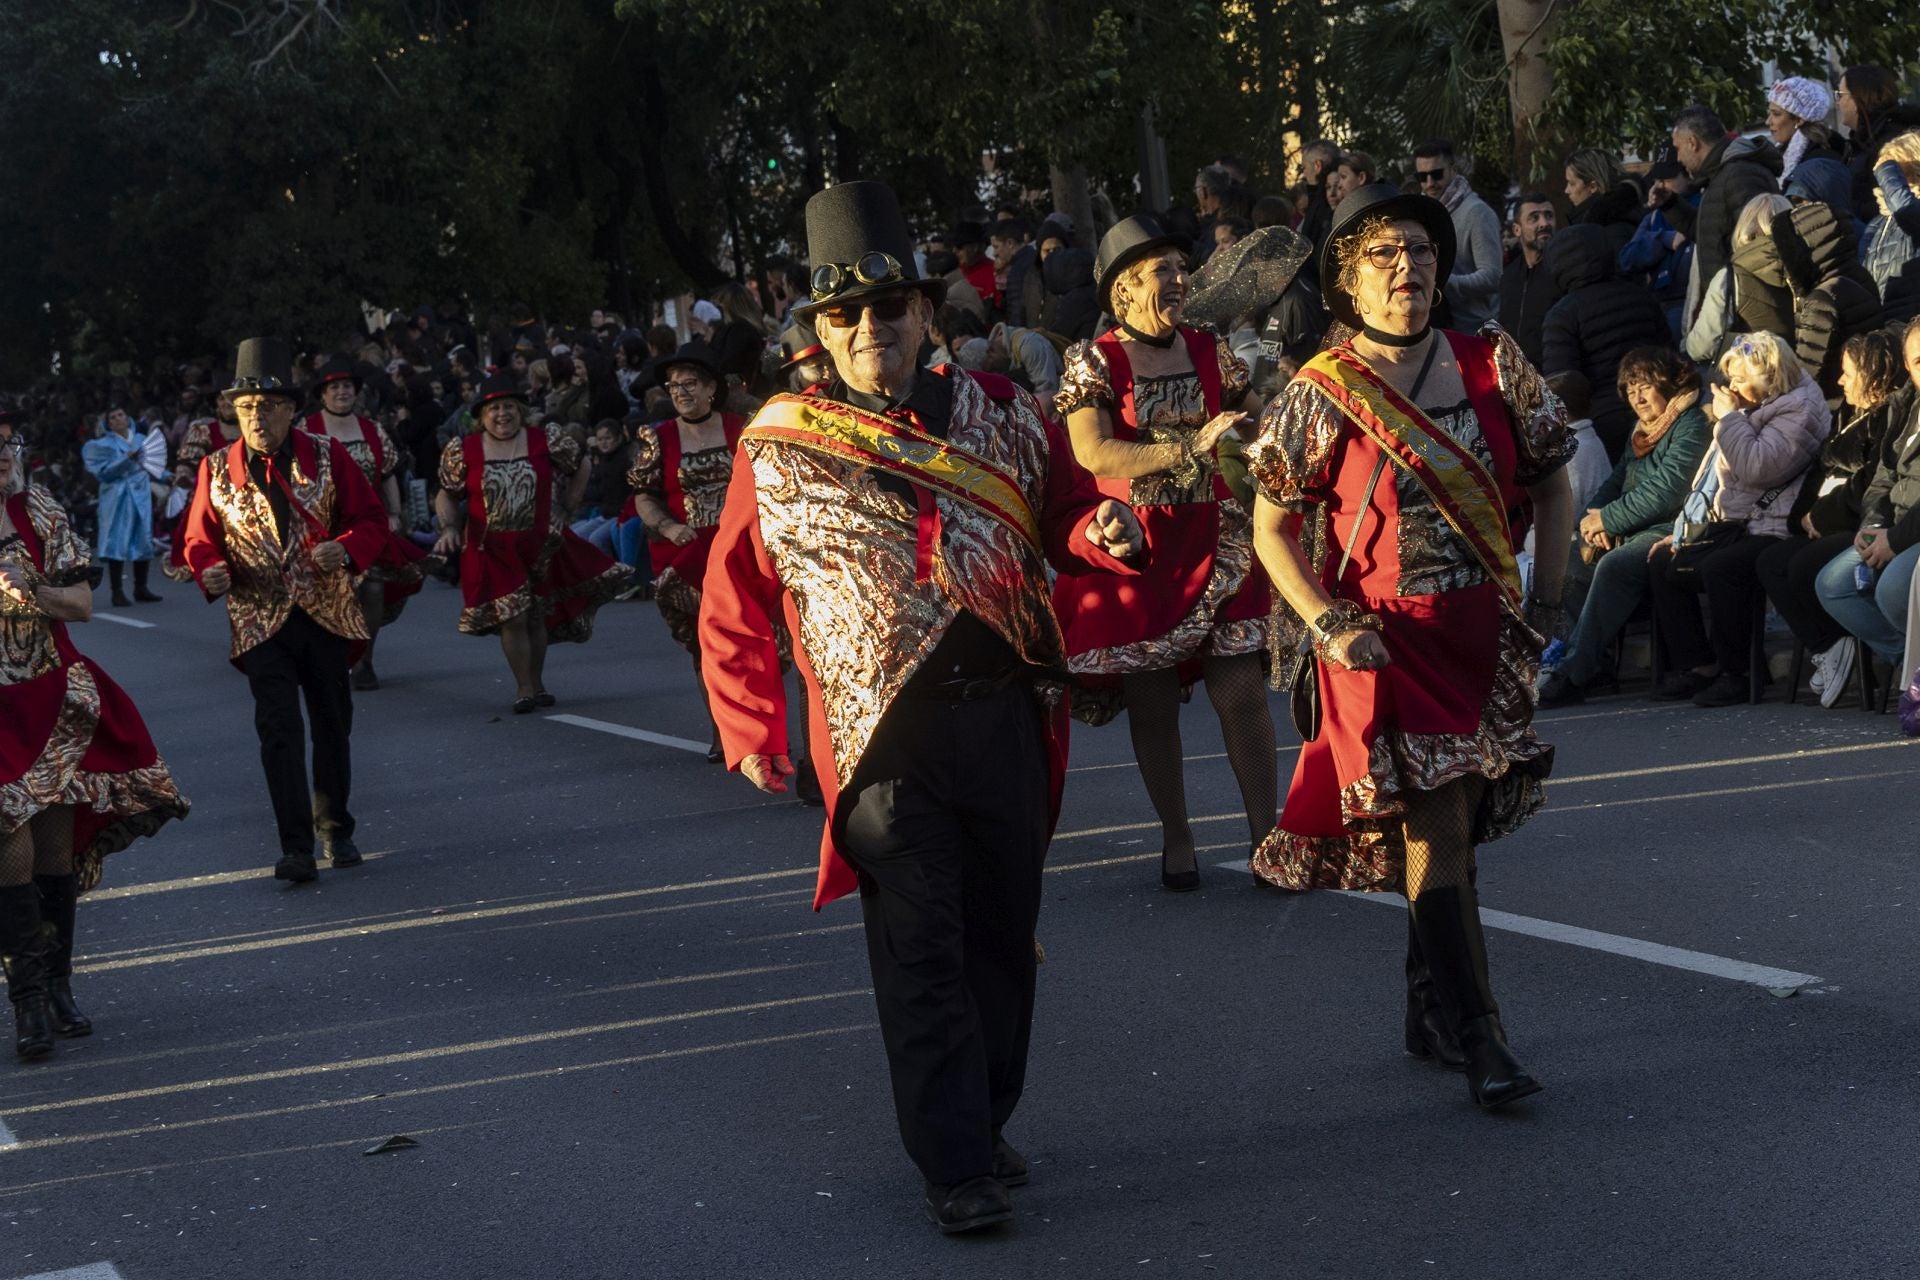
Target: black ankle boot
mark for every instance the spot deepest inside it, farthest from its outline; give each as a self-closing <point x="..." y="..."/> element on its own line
<point x="1430" y="1032"/>
<point x="140" y="593"/>
<point x="1447" y="921"/>
<point x="24" y="942"/>
<point x="59" y="896"/>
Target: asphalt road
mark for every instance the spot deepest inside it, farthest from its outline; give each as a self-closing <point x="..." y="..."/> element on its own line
<point x="581" y="973"/>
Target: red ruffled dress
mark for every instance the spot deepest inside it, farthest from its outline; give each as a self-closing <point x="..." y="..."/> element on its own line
<point x="1458" y="697"/>
<point x="402" y="567"/>
<point x="68" y="734"/>
<point x="692" y="485"/>
<point x="1200" y="593"/>
<point x="519" y="554"/>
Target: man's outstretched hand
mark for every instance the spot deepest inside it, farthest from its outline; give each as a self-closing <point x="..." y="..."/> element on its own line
<point x="769" y="773"/>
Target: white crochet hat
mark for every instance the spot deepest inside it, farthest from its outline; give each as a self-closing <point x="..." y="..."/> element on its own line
<point x="1799" y="96"/>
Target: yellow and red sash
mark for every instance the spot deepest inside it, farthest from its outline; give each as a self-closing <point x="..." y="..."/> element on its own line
<point x="844" y="431"/>
<point x="1463" y="490"/>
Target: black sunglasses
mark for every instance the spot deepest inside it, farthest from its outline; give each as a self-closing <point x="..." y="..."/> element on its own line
<point x="846" y="315"/>
<point x="1429" y="175"/>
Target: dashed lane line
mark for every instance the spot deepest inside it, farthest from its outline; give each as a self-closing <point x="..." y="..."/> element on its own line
<point x="92" y="1271"/>
<point x="1757" y="975"/>
<point x="625" y="731"/>
<point x="124" y="622"/>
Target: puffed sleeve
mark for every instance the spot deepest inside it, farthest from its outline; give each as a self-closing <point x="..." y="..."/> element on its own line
<point x="389" y="455"/>
<point x="1235" y="377"/>
<point x="1541" y="440"/>
<point x="1291" y="459"/>
<point x="563" y="449"/>
<point x="67" y="558"/>
<point x="646" y="475"/>
<point x="1084" y="382"/>
<point x="453" y="466"/>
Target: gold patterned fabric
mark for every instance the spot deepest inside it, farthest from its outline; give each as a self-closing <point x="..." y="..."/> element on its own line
<point x="269" y="580"/>
<point x="26" y="641"/>
<point x="510" y="485"/>
<point x="701" y="483"/>
<point x="845" y="550"/>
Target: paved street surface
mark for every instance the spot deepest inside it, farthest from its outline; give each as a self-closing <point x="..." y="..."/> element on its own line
<point x="580" y="971"/>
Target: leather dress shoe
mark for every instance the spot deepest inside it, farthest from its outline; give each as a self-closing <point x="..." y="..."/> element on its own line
<point x="968" y="1206"/>
<point x="297" y="867"/>
<point x="345" y="853"/>
<point x="1009" y="1166"/>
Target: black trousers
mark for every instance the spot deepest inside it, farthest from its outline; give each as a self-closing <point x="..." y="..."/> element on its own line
<point x="946" y="822"/>
<point x="1787" y="571"/>
<point x="1727" y="578"/>
<point x="303" y="658"/>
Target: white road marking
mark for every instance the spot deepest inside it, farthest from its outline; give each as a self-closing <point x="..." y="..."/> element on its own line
<point x="125" y="622"/>
<point x="6" y="1137"/>
<point x="92" y="1271"/>
<point x="195" y="882"/>
<point x="638" y="735"/>
<point x="1659" y="953"/>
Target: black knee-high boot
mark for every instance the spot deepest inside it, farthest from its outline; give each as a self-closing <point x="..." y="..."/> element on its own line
<point x="117" y="575"/>
<point x="59" y="896"/>
<point x="1430" y="1032"/>
<point x="141" y="594"/>
<point x="1447" y="922"/>
<point x="24" y="942"/>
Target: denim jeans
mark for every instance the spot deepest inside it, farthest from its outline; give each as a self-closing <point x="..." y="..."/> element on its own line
<point x="1878" y="617"/>
<point x="1619" y="584"/>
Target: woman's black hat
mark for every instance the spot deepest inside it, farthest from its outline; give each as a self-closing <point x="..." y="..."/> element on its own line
<point x="1384" y="200"/>
<point x="337" y="369"/>
<point x="498" y="386"/>
<point x="797" y="345"/>
<point x="696" y="354"/>
<point x="263" y="367"/>
<point x="1125" y="243"/>
<point x="844" y="225"/>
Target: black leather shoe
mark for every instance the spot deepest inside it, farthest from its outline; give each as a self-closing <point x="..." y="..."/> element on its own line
<point x="344" y="853"/>
<point x="543" y="699"/>
<point x="364" y="679"/>
<point x="969" y="1205"/>
<point x="1179" y="881"/>
<point x="1725" y="691"/>
<point x="1494" y="1076"/>
<point x="143" y="596"/>
<point x="1009" y="1166"/>
<point x="297" y="867"/>
<point x="68" y="1021"/>
<point x="120" y="600"/>
<point x="1678" y="686"/>
<point x="716" y="756"/>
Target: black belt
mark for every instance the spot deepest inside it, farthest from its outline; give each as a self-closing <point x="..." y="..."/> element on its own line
<point x="963" y="688"/>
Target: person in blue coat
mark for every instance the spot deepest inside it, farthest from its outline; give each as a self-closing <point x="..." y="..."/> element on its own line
<point x="1658" y="252"/>
<point x="116" y="458"/>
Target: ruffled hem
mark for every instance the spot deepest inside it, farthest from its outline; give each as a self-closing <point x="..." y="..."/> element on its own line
<point x="587" y="596"/>
<point x="141" y="802"/>
<point x="1361" y="861"/>
<point x="487" y="617"/>
<point x="679" y="602"/>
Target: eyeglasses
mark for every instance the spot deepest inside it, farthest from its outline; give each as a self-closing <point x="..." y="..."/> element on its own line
<point x="830" y="278"/>
<point x="1429" y="176"/>
<point x="847" y="315"/>
<point x="1420" y="253"/>
<point x="687" y="385"/>
<point x="11" y="445"/>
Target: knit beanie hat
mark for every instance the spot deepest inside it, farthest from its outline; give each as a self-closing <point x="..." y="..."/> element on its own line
<point x="1799" y="96"/>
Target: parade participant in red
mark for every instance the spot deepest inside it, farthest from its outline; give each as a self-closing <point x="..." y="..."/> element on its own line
<point x="281" y="523"/>
<point x="679" y="479"/>
<point x="901" y="520"/>
<point x="205" y="436"/>
<point x="402" y="566"/>
<point x="79" y="777"/>
<point x="1425" y="451"/>
<point x="1146" y="405"/>
<point x="505" y="494"/>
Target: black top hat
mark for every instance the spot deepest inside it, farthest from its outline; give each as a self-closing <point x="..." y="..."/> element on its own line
<point x="1382" y="199"/>
<point x="498" y="386"/>
<point x="696" y="354"/>
<point x="263" y="366"/>
<point x="1125" y="243"/>
<point x="337" y="369"/>
<point x="858" y="243"/>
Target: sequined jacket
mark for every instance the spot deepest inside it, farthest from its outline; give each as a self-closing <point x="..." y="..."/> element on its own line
<point x="871" y="583"/>
<point x="231" y="523"/>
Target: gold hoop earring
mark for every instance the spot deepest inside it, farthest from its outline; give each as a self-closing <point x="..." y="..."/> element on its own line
<point x="1438" y="294"/>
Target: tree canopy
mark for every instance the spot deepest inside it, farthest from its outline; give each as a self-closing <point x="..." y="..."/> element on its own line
<point x="185" y="172"/>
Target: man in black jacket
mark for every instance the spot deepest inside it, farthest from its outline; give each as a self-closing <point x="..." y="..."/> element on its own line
<point x="1527" y="288"/>
<point x="1728" y="171"/>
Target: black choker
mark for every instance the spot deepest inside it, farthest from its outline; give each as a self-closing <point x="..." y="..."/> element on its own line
<point x="1164" y="341"/>
<point x="700" y="421"/>
<point x="1386" y="339"/>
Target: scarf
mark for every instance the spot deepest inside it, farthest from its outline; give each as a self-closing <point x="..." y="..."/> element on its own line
<point x="1456" y="190"/>
<point x="1648" y="434"/>
<point x="1795" y="149"/>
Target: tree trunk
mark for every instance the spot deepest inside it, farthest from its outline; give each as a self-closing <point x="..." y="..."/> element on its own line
<point x="1072" y="197"/>
<point x="1526" y="27"/>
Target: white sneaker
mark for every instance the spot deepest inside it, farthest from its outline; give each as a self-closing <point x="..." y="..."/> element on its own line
<point x="1838" y="665"/>
<point x="1818" y="680"/>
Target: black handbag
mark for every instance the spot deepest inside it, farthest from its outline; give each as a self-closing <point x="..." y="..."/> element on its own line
<point x="1698" y="539"/>
<point x="1303" y="672"/>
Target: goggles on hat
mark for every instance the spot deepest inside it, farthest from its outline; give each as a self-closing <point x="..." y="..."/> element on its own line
<point x="830" y="278"/>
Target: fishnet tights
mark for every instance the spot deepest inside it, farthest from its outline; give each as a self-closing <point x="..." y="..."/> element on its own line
<point x="42" y="846"/>
<point x="1438" y="833"/>
<point x="1238" y="692"/>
